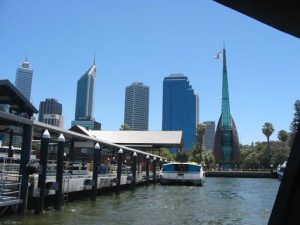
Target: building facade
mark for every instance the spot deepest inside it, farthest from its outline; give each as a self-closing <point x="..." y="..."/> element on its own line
<point x="23" y="80"/>
<point x="84" y="110"/>
<point x="136" y="113"/>
<point x="209" y="136"/>
<point x="50" y="112"/>
<point x="226" y="146"/>
<point x="179" y="108"/>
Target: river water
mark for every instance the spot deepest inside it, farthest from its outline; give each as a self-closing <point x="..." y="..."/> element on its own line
<point x="219" y="201"/>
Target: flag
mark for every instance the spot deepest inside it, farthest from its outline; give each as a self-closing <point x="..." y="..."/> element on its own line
<point x="219" y="55"/>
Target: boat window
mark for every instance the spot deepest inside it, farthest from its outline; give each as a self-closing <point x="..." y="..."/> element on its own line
<point x="193" y="168"/>
<point x="169" y="168"/>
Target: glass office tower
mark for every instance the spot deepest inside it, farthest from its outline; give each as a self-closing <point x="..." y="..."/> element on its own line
<point x="179" y="108"/>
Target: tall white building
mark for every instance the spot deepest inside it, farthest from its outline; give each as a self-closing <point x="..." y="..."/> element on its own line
<point x="209" y="136"/>
<point x="24" y="79"/>
<point x="136" y="114"/>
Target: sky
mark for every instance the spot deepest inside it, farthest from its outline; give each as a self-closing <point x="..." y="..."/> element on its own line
<point x="145" y="41"/>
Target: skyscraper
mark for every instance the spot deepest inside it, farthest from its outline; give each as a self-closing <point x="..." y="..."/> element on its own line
<point x="136" y="114"/>
<point x="226" y="147"/>
<point x="85" y="100"/>
<point x="50" y="112"/>
<point x="179" y="108"/>
<point x="23" y="80"/>
<point x="209" y="136"/>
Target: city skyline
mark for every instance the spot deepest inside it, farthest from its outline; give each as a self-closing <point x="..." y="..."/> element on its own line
<point x="133" y="45"/>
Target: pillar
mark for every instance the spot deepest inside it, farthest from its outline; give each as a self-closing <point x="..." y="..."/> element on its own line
<point x="154" y="170"/>
<point x="24" y="160"/>
<point x="97" y="152"/>
<point x="10" y="147"/>
<point x="119" y="171"/>
<point x="59" y="172"/>
<point x="147" y="169"/>
<point x="134" y="159"/>
<point x="42" y="172"/>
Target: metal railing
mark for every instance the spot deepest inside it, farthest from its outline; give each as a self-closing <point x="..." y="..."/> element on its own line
<point x="10" y="185"/>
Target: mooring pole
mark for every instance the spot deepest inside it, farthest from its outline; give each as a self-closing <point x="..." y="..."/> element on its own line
<point x="42" y="172"/>
<point x="95" y="170"/>
<point x="25" y="157"/>
<point x="59" y="172"/>
<point x="154" y="170"/>
<point x="160" y="163"/>
<point x="119" y="171"/>
<point x="134" y="157"/>
<point x="147" y="169"/>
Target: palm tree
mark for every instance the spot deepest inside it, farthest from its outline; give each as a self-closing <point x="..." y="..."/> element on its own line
<point x="200" y="131"/>
<point x="283" y="136"/>
<point x="268" y="130"/>
<point x="124" y="126"/>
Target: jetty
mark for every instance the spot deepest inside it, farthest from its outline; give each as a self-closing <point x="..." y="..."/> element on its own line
<point x="68" y="161"/>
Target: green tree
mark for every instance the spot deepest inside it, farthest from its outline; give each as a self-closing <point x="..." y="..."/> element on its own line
<point x="125" y="126"/>
<point x="268" y="130"/>
<point x="282" y="136"/>
<point x="200" y="131"/>
<point x="295" y="122"/>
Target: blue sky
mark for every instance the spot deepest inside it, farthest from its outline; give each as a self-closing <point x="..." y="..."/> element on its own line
<point x="145" y="41"/>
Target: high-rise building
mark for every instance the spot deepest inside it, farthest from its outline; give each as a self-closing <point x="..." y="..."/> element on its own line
<point x="23" y="80"/>
<point x="179" y="108"/>
<point x="136" y="114"/>
<point x="50" y="112"/>
<point x="226" y="146"/>
<point x="84" y="111"/>
<point x="209" y="136"/>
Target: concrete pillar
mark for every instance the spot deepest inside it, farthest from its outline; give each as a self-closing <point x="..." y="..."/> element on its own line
<point x="10" y="147"/>
<point x="154" y="170"/>
<point x="119" y="171"/>
<point x="24" y="160"/>
<point x="147" y="169"/>
<point x="42" y="172"/>
<point x="134" y="158"/>
<point x="59" y="172"/>
<point x="97" y="152"/>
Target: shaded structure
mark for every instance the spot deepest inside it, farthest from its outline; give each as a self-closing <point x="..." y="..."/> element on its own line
<point x="144" y="140"/>
<point x="284" y="16"/>
<point x="226" y="146"/>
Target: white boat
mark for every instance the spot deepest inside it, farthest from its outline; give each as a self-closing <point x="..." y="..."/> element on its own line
<point x="280" y="170"/>
<point x="182" y="173"/>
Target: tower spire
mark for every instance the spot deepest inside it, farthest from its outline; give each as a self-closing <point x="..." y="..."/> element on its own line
<point x="94" y="57"/>
<point x="226" y="121"/>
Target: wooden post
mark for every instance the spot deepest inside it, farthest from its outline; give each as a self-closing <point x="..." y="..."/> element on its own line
<point x="119" y="171"/>
<point x="147" y="169"/>
<point x="59" y="172"/>
<point x="97" y="152"/>
<point x="154" y="170"/>
<point x="134" y="156"/>
<point x="42" y="173"/>
<point x="25" y="157"/>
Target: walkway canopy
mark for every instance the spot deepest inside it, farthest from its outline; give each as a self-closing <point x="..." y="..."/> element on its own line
<point x="138" y="139"/>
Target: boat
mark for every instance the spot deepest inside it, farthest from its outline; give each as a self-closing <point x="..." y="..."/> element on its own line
<point x="182" y="173"/>
<point x="280" y="170"/>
